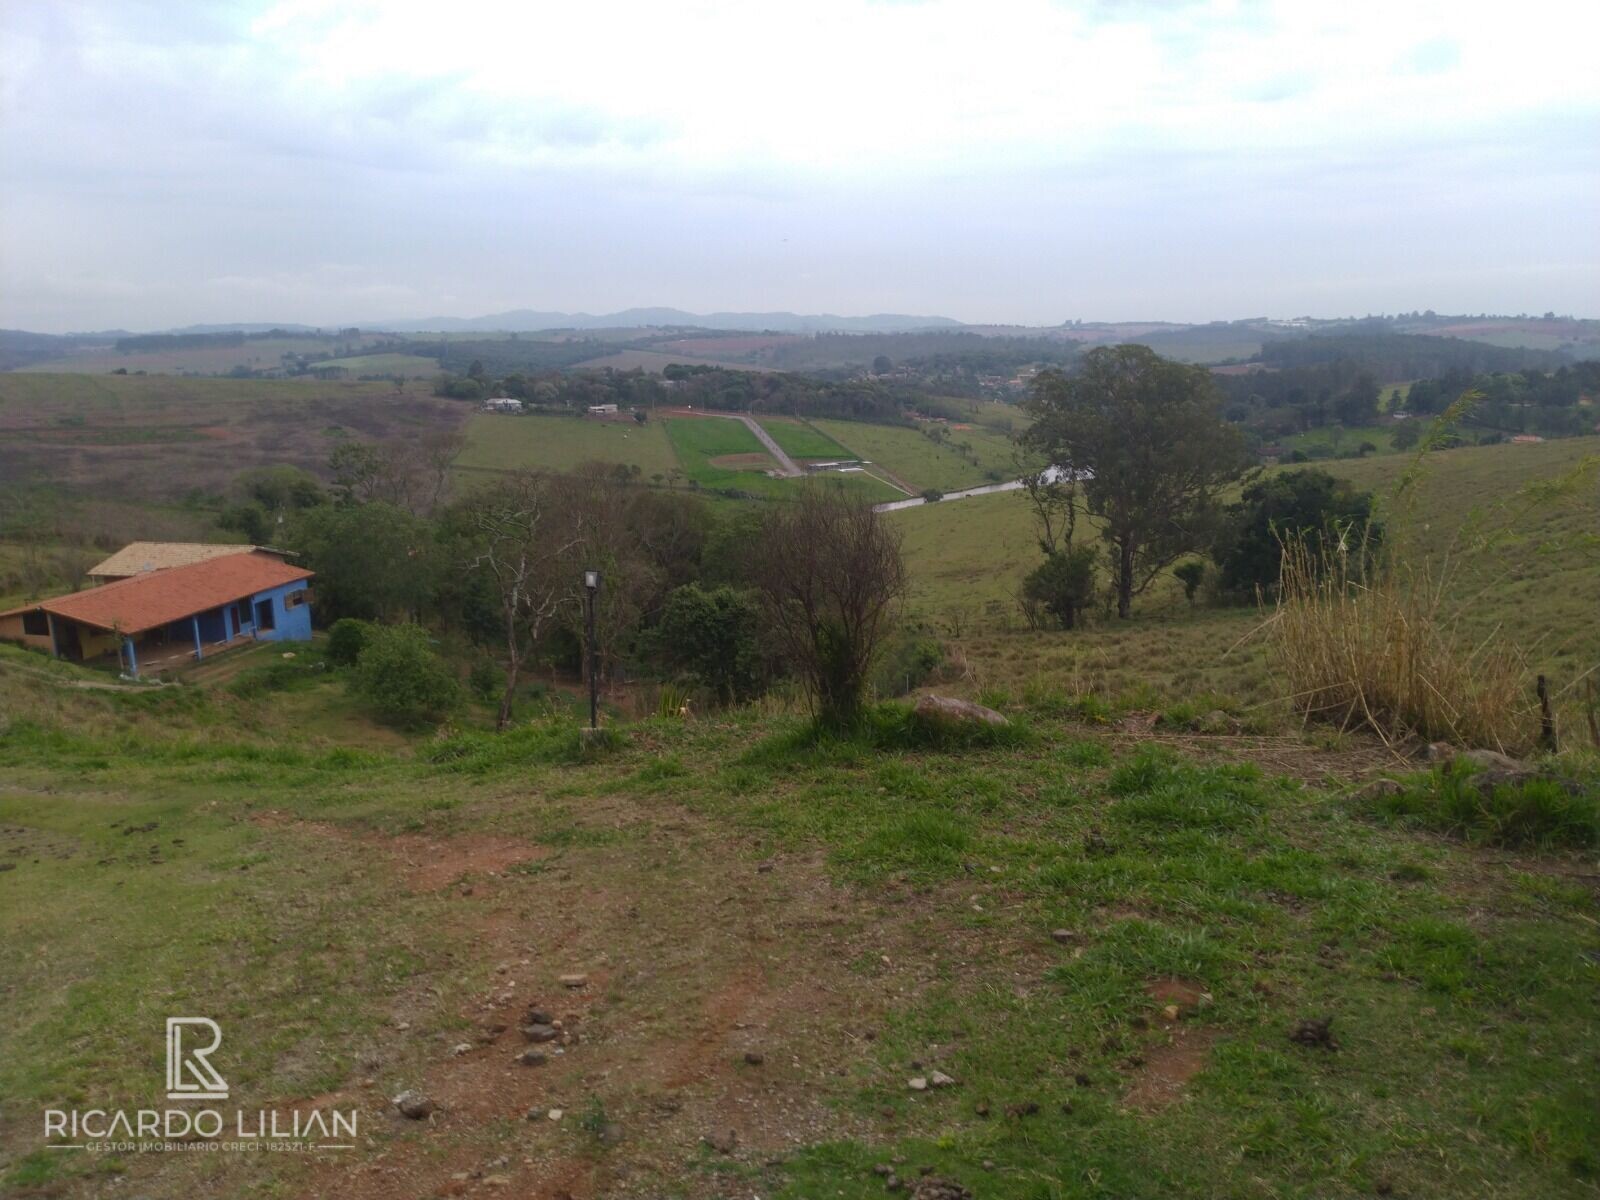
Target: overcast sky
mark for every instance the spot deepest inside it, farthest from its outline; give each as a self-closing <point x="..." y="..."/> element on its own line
<point x="992" y="160"/>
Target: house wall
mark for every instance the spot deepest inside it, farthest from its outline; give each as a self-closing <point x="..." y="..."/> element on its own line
<point x="11" y="631"/>
<point x="211" y="629"/>
<point x="290" y="624"/>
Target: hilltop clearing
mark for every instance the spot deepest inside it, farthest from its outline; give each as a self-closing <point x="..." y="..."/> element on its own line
<point x="1098" y="951"/>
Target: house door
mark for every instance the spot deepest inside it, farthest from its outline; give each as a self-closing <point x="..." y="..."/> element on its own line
<point x="264" y="615"/>
<point x="69" y="642"/>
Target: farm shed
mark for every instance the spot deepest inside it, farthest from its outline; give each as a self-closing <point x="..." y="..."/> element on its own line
<point x="165" y="618"/>
<point x="138" y="557"/>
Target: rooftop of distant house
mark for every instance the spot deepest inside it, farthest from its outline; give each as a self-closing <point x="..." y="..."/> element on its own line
<point x="137" y="557"/>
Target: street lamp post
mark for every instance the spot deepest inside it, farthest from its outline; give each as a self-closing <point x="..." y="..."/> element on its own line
<point x="591" y="586"/>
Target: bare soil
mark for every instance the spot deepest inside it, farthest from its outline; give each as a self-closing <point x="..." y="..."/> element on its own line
<point x="687" y="971"/>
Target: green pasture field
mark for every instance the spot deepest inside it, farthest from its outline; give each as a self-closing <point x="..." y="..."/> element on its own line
<point x="698" y="440"/>
<point x="1104" y="944"/>
<point x="801" y="440"/>
<point x="922" y="463"/>
<point x="409" y="365"/>
<point x="1338" y="439"/>
<point x="502" y="442"/>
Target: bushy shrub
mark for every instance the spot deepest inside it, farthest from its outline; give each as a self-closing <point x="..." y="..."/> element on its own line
<point x="1064" y="584"/>
<point x="485" y="680"/>
<point x="346" y="639"/>
<point x="1322" y="514"/>
<point x="1454" y="800"/>
<point x="402" y="679"/>
<point x="1191" y="574"/>
<point x="711" y="635"/>
<point x="908" y="662"/>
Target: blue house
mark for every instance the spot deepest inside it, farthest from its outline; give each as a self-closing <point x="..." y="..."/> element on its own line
<point x="160" y="619"/>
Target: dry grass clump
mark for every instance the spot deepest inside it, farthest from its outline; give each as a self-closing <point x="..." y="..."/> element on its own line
<point x="1364" y="642"/>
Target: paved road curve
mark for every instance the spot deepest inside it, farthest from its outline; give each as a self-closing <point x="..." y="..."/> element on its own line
<point x="786" y="465"/>
<point x="987" y="489"/>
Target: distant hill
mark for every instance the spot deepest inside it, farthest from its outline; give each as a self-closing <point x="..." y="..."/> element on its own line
<point x="524" y="320"/>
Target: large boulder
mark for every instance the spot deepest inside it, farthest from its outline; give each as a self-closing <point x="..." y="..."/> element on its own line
<point x="948" y="710"/>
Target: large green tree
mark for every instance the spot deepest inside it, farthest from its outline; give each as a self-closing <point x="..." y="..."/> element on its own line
<point x="1328" y="514"/>
<point x="1152" y="451"/>
<point x="373" y="560"/>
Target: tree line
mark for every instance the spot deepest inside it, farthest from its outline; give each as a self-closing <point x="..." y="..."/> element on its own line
<point x="1140" y="443"/>
<point x="729" y="602"/>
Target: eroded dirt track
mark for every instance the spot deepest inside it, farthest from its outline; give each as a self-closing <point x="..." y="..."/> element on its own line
<point x="718" y="1018"/>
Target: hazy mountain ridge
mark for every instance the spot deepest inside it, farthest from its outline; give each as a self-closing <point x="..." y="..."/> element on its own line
<point x="524" y="320"/>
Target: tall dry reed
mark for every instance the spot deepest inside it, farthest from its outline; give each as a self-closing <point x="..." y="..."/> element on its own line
<point x="1363" y="642"/>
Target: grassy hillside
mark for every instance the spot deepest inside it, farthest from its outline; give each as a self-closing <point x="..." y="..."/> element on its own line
<point x="128" y="437"/>
<point x="775" y="939"/>
<point x="256" y="354"/>
<point x="1513" y="563"/>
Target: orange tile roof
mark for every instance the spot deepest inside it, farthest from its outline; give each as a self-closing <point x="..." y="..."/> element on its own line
<point x="156" y="598"/>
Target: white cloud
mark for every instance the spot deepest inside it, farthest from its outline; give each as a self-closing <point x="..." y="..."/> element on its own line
<point x="1006" y="159"/>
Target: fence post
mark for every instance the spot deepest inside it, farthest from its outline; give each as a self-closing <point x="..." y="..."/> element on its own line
<point x="1547" y="722"/>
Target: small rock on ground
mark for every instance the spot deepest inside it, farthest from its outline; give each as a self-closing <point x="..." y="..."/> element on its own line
<point x="414" y="1105"/>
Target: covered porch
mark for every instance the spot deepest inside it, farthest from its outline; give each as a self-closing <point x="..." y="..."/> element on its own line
<point x="166" y="647"/>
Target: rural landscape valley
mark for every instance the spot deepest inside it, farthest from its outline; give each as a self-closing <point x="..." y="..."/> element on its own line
<point x="650" y="603"/>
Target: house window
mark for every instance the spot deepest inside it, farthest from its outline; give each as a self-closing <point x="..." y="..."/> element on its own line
<point x="264" y="616"/>
<point x="35" y="624"/>
<point x="294" y="599"/>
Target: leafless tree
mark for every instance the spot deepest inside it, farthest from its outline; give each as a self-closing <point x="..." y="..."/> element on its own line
<point x="831" y="574"/>
<point x="1053" y="496"/>
<point x="436" y="455"/>
<point x="413" y="475"/>
<point x="609" y="542"/>
<point x="525" y="529"/>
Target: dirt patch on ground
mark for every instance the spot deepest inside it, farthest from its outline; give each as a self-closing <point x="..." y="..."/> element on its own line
<point x="697" y="1037"/>
<point x="428" y="864"/>
<point x="1168" y="1067"/>
<point x="1356" y="757"/>
<point x="1177" y="994"/>
<point x="1165" y="1067"/>
<point x="741" y="462"/>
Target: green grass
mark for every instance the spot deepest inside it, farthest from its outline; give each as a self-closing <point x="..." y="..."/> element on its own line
<point x="502" y="443"/>
<point x="1520" y="564"/>
<point x="1562" y="812"/>
<point x="801" y="441"/>
<point x="698" y="440"/>
<point x="943" y="867"/>
<point x="922" y="463"/>
<point x="1336" y="439"/>
<point x="410" y="365"/>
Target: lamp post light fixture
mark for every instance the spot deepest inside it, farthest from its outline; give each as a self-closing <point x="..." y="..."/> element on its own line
<point x="591" y="587"/>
